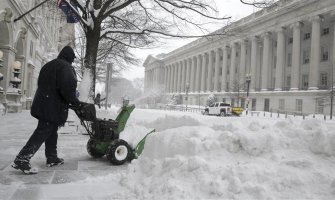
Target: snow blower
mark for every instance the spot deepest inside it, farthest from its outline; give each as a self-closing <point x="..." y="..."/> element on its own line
<point x="104" y="134"/>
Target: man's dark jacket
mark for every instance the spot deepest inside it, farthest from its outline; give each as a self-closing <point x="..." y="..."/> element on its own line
<point x="57" y="83"/>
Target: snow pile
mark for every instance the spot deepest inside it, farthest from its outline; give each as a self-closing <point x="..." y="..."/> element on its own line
<point x="200" y="157"/>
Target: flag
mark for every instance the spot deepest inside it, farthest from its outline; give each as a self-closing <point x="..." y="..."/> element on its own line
<point x="71" y="16"/>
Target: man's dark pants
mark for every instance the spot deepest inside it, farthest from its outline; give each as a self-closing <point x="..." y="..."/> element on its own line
<point x="45" y="132"/>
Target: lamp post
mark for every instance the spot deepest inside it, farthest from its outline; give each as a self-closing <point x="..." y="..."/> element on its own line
<point x="332" y="93"/>
<point x="187" y="90"/>
<point x="16" y="81"/>
<point x="1" y="76"/>
<point x="248" y="80"/>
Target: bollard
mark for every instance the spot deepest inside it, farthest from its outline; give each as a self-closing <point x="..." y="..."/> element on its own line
<point x="278" y="115"/>
<point x="324" y="117"/>
<point x="313" y="115"/>
<point x="303" y="117"/>
<point x="285" y="115"/>
<point x="264" y="114"/>
<point x="270" y="114"/>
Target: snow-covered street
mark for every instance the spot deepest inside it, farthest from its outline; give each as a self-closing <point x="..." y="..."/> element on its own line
<point x="190" y="156"/>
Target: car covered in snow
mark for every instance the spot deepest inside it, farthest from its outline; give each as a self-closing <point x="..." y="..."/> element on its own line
<point x="218" y="108"/>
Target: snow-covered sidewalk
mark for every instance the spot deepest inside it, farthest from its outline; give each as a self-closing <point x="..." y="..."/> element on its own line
<point x="189" y="157"/>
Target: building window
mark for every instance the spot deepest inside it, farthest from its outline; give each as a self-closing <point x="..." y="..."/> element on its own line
<point x="289" y="60"/>
<point x="281" y="104"/>
<point x="224" y="100"/>
<point x="267" y="105"/>
<point x="221" y="57"/>
<point x="305" y="57"/>
<point x="232" y="102"/>
<point x="227" y="86"/>
<point x="324" y="53"/>
<point x="275" y="44"/>
<point x="288" y="81"/>
<point x="253" y="104"/>
<point x="228" y="56"/>
<point x="325" y="31"/>
<point x="290" y="40"/>
<point x="307" y="36"/>
<point x="323" y="79"/>
<point x="236" y="54"/>
<point x="320" y="105"/>
<point x="304" y="81"/>
<point x="298" y="105"/>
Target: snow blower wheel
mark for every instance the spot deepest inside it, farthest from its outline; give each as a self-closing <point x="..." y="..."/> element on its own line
<point x="119" y="152"/>
<point x="91" y="149"/>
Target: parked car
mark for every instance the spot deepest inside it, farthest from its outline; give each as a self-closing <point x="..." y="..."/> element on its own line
<point x="218" y="108"/>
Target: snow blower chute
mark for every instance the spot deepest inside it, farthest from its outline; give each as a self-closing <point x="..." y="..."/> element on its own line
<point x="104" y="134"/>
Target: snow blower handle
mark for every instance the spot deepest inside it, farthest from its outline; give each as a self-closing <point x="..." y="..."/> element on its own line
<point x="85" y="111"/>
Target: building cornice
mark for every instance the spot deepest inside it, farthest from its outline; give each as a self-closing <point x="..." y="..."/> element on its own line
<point x="246" y="24"/>
<point x="28" y="22"/>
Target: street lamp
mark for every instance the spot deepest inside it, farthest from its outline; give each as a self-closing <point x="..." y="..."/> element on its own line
<point x="248" y="80"/>
<point x="16" y="81"/>
<point x="1" y="76"/>
<point x="187" y="90"/>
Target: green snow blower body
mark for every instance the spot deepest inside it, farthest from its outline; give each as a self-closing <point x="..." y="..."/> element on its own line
<point x="104" y="134"/>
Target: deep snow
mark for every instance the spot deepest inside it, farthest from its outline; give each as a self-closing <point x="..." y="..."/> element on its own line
<point x="191" y="156"/>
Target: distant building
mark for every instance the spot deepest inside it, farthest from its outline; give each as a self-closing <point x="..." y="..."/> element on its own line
<point x="33" y="40"/>
<point x="286" y="51"/>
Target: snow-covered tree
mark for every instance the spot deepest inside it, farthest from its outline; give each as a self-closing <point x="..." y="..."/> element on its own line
<point x="211" y="99"/>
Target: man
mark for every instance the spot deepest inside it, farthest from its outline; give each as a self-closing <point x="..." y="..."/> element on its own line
<point x="56" y="90"/>
<point x="98" y="100"/>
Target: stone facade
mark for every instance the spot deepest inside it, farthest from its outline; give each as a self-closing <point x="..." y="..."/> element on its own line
<point x="33" y="40"/>
<point x="286" y="51"/>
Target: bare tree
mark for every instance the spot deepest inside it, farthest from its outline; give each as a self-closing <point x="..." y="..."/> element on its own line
<point x="260" y="3"/>
<point x="115" y="26"/>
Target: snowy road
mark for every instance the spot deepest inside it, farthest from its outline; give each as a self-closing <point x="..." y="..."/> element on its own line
<point x="189" y="157"/>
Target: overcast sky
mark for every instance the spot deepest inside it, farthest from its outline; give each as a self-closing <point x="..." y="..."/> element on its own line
<point x="232" y="8"/>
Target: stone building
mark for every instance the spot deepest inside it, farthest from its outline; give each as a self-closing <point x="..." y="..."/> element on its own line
<point x="278" y="59"/>
<point x="33" y="40"/>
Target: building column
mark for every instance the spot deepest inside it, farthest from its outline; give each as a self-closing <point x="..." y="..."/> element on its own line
<point x="173" y="78"/>
<point x="180" y="69"/>
<point x="176" y="78"/>
<point x="280" y="63"/>
<point x="266" y="61"/>
<point x="224" y="68"/>
<point x="315" y="54"/>
<point x="210" y="71"/>
<point x="203" y="73"/>
<point x="188" y="71"/>
<point x="243" y="63"/>
<point x="165" y="78"/>
<point x="232" y="67"/>
<point x="198" y="75"/>
<point x="296" y="56"/>
<point x="217" y="69"/>
<point x="170" y="78"/>
<point x="182" y="63"/>
<point x="254" y="48"/>
<point x="192" y="75"/>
